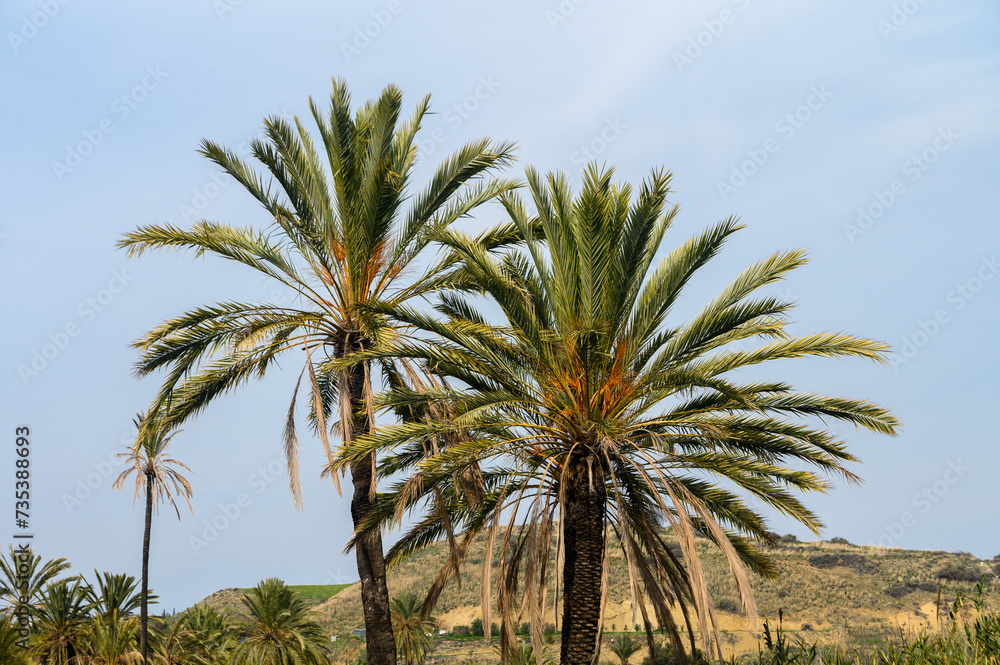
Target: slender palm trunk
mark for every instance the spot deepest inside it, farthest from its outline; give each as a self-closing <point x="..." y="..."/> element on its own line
<point x="371" y="560"/>
<point x="144" y="606"/>
<point x="584" y="515"/>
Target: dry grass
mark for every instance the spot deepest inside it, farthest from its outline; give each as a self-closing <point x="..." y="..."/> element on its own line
<point x="858" y="596"/>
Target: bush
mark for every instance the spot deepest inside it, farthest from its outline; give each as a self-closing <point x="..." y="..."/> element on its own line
<point x="727" y="606"/>
<point x="844" y="559"/>
<point x="898" y="591"/>
<point x="461" y="631"/>
<point x="477" y="628"/>
<point x="840" y="541"/>
<point x="665" y="655"/>
<point x="962" y="572"/>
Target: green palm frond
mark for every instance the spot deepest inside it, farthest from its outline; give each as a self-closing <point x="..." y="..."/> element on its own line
<point x="586" y="375"/>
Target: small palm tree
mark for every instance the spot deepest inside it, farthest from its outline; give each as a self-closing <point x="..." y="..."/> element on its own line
<point x="200" y="636"/>
<point x="625" y="647"/>
<point x="111" y="640"/>
<point x="278" y="630"/>
<point x="158" y="478"/>
<point x="524" y="654"/>
<point x="115" y="595"/>
<point x="412" y="632"/>
<point x="32" y="581"/>
<point x="11" y="651"/>
<point x="61" y="623"/>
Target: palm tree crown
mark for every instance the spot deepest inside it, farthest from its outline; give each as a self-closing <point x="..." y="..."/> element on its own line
<point x="346" y="233"/>
<point x="599" y="418"/>
<point x="278" y="630"/>
<point x="413" y="632"/>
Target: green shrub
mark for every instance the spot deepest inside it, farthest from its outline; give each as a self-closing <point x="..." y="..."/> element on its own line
<point x="962" y="572"/>
<point x="859" y="563"/>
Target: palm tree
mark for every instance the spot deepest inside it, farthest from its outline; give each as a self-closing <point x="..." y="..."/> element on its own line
<point x="625" y="647"/>
<point x="200" y="636"/>
<point x="17" y="588"/>
<point x="413" y="632"/>
<point x="278" y="630"/>
<point x="11" y="650"/>
<point x="600" y="420"/>
<point x="111" y="640"/>
<point x="156" y="477"/>
<point x="62" y="621"/>
<point x="114" y="595"/>
<point x="340" y="241"/>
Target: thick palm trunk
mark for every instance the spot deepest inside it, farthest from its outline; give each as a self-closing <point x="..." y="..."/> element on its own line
<point x="144" y="606"/>
<point x="371" y="560"/>
<point x="583" y="528"/>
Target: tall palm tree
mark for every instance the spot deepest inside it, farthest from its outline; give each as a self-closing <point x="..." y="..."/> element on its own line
<point x="597" y="418"/>
<point x="61" y="624"/>
<point x="413" y="632"/>
<point x="278" y="630"/>
<point x="158" y="478"/>
<point x="342" y="238"/>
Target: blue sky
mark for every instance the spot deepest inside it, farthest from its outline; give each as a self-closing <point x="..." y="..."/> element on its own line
<point x="866" y="132"/>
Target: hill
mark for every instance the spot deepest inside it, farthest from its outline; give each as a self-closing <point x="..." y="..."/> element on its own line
<point x="834" y="592"/>
<point x="229" y="601"/>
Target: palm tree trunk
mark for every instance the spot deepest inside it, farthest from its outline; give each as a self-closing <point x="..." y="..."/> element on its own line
<point x="371" y="559"/>
<point x="144" y="605"/>
<point x="583" y="528"/>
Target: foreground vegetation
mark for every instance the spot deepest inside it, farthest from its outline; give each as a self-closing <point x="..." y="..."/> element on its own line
<point x="831" y="603"/>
